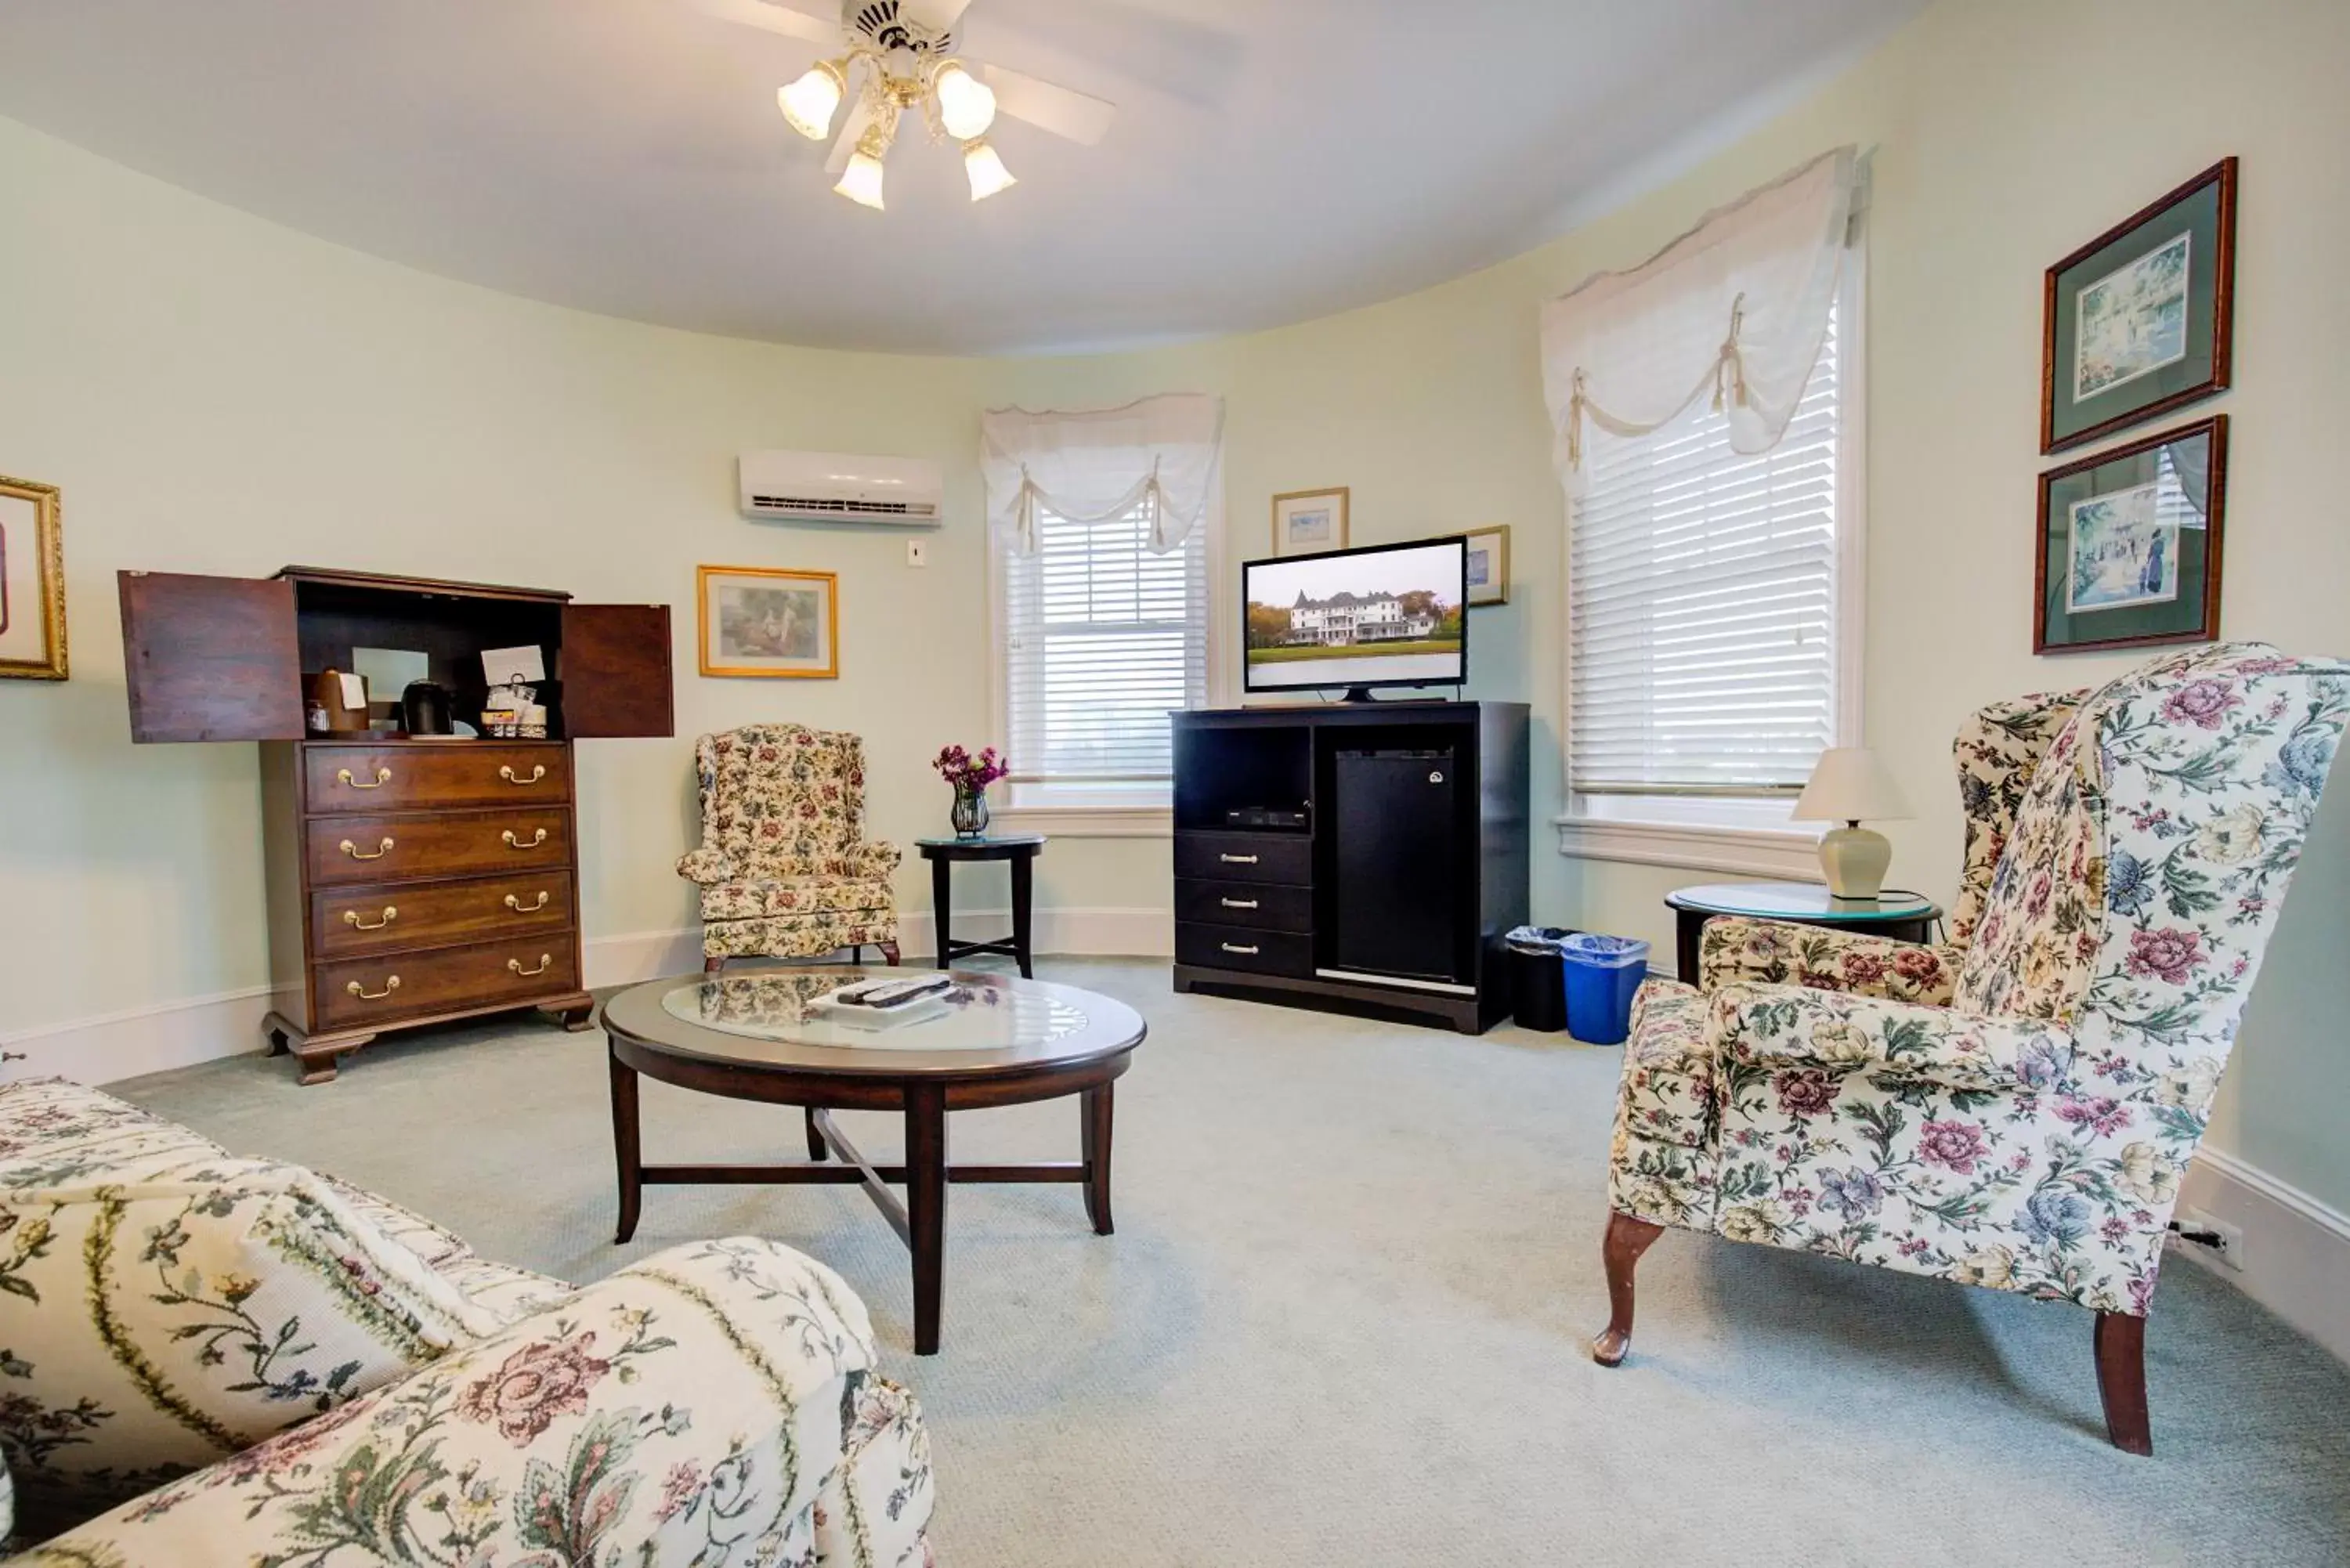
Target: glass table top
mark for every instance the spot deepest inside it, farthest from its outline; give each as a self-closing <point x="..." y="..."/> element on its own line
<point x="973" y="1014"/>
<point x="1800" y="900"/>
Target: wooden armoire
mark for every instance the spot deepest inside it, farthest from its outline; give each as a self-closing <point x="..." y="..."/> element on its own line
<point x="411" y="880"/>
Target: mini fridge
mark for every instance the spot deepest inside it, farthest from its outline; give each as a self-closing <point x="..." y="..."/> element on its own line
<point x="1395" y="873"/>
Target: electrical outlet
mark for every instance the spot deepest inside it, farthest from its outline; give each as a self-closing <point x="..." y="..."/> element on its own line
<point x="917" y="553"/>
<point x="2228" y="1250"/>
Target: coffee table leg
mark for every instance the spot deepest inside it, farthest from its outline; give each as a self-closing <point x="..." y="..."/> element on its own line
<point x="1093" y="1106"/>
<point x="817" y="1149"/>
<point x="627" y="1151"/>
<point x="926" y="1206"/>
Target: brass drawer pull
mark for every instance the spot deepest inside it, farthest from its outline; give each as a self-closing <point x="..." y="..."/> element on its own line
<point x="544" y="959"/>
<point x="351" y="919"/>
<point x="519" y="908"/>
<point x="536" y="774"/>
<point x="513" y="843"/>
<point x="1238" y="903"/>
<point x="382" y="777"/>
<point x="1237" y="948"/>
<point x="354" y="851"/>
<point x="1237" y="860"/>
<point x="356" y="989"/>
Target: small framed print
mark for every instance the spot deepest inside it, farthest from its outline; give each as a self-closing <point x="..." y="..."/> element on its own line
<point x="1489" y="566"/>
<point x="32" y="582"/>
<point x="1306" y="521"/>
<point x="2129" y="544"/>
<point x="2138" y="321"/>
<point x="755" y="620"/>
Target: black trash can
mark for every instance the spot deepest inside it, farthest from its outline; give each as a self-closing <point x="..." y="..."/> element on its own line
<point x="1538" y="977"/>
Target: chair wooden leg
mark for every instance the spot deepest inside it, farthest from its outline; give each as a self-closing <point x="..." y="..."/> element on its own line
<point x="1627" y="1239"/>
<point x="888" y="954"/>
<point x="713" y="965"/>
<point x="2121" y="1381"/>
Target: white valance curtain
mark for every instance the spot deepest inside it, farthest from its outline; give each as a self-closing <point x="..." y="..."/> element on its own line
<point x="1735" y="310"/>
<point x="1100" y="465"/>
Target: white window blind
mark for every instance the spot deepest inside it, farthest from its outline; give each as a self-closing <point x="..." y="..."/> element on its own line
<point x="1102" y="638"/>
<point x="1701" y="604"/>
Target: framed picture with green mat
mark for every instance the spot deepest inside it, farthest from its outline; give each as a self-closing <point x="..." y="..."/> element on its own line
<point x="2129" y="544"/>
<point x="2137" y="321"/>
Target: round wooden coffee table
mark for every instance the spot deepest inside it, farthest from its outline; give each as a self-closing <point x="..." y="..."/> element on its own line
<point x="750" y="1036"/>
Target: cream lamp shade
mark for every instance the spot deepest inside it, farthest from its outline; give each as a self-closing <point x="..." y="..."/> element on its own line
<point x="1850" y="784"/>
<point x="1851" y="787"/>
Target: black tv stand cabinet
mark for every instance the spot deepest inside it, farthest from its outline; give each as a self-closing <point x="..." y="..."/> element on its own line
<point x="1406" y="864"/>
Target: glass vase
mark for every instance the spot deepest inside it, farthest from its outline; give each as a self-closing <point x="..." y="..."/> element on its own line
<point x="970" y="814"/>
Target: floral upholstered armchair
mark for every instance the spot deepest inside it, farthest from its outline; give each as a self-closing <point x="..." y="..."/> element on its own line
<point x="785" y="868"/>
<point x="2016" y="1110"/>
<point x="215" y="1362"/>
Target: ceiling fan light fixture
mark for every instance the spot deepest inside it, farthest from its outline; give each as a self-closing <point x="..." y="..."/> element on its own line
<point x="861" y="181"/>
<point x="985" y="167"/>
<point x="966" y="104"/>
<point x="808" y="103"/>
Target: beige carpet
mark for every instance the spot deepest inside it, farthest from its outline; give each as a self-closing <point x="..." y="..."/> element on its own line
<point x="1343" y="1319"/>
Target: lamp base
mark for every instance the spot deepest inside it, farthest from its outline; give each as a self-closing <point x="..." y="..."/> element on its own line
<point x="1855" y="861"/>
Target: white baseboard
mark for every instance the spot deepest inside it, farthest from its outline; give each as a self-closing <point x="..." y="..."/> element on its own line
<point x="138" y="1040"/>
<point x="1075" y="933"/>
<point x="2297" y="1249"/>
<point x="108" y="1046"/>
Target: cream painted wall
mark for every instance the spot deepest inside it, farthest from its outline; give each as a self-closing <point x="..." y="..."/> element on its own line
<point x="218" y="395"/>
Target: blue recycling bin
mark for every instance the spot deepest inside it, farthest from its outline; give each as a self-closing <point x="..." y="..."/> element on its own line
<point x="1602" y="973"/>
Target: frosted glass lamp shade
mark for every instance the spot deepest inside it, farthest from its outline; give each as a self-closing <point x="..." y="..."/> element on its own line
<point x="966" y="104"/>
<point x="861" y="181"/>
<point x="988" y="174"/>
<point x="808" y="103"/>
<point x="1850" y="784"/>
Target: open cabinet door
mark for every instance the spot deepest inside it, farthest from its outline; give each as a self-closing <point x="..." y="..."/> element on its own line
<point x="211" y="658"/>
<point x="615" y="672"/>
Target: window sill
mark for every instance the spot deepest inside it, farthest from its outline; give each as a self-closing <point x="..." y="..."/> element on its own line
<point x="1087" y="822"/>
<point x="1786" y="854"/>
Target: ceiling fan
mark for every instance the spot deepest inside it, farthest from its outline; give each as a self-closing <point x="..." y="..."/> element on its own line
<point x="899" y="56"/>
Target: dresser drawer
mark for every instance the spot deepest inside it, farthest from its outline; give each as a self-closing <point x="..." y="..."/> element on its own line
<point x="1236" y="946"/>
<point x="1261" y="906"/>
<point x="385" y="918"/>
<point x="433" y="775"/>
<point x="1245" y="857"/>
<point x="358" y="991"/>
<point x="348" y="850"/>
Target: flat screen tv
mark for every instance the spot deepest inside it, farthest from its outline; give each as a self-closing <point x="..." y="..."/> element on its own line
<point x="1387" y="614"/>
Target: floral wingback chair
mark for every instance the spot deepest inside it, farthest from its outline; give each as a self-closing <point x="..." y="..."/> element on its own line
<point x="2023" y="1122"/>
<point x="785" y="868"/>
<point x="1997" y="752"/>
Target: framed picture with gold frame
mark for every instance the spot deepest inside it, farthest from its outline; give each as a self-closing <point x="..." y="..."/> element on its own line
<point x="1489" y="566"/>
<point x="32" y="582"/>
<point x="762" y="621"/>
<point x="1307" y="522"/>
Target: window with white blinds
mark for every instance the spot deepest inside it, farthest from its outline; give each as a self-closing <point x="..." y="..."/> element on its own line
<point x="1703" y="599"/>
<point x="1101" y="639"/>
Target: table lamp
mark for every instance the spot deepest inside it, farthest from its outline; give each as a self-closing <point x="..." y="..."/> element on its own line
<point x="1851" y="787"/>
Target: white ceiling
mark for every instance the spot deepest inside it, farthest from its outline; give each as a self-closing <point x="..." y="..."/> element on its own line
<point x="1272" y="159"/>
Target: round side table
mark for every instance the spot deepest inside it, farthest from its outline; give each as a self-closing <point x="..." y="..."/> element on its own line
<point x="1019" y="848"/>
<point x="1904" y="917"/>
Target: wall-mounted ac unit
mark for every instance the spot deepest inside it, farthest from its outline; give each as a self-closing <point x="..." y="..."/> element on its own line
<point x="833" y="487"/>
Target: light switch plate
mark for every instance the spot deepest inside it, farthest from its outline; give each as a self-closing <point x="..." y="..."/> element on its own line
<point x="917" y="553"/>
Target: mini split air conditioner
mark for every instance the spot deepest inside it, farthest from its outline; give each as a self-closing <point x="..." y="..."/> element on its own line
<point x="833" y="487"/>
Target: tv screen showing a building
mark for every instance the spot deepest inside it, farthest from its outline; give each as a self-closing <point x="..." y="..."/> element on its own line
<point x="1361" y="618"/>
